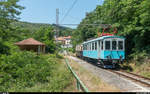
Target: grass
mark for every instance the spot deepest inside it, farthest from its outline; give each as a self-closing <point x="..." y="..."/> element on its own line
<point x="140" y="69"/>
<point x="91" y="81"/>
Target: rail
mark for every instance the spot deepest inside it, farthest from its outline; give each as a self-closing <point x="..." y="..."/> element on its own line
<point x="132" y="78"/>
<point x="79" y="83"/>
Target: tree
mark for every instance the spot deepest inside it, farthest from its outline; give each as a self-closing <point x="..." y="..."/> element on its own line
<point x="47" y="36"/>
<point x="9" y="11"/>
<point x="131" y="17"/>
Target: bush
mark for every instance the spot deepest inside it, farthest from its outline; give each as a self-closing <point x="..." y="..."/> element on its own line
<point x="25" y="69"/>
<point x="139" y="57"/>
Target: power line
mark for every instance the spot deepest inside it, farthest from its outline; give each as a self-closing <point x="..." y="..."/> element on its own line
<point x="102" y="25"/>
<point x="69" y="10"/>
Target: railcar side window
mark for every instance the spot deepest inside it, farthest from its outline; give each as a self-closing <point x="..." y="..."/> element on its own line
<point x="90" y="46"/>
<point x="96" y="45"/>
<point x="102" y="45"/>
<point x="93" y="46"/>
<point x="83" y="47"/>
<point x="120" y="45"/>
<point x="114" y="45"/>
<point x="107" y="45"/>
<point x="99" y="43"/>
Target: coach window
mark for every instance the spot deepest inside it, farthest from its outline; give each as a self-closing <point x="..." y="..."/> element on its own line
<point x="88" y="46"/>
<point x="114" y="45"/>
<point x="102" y="45"/>
<point x="107" y="45"/>
<point x="99" y="44"/>
<point x="120" y="45"/>
<point x="92" y="45"/>
<point x="83" y="47"/>
<point x="96" y="45"/>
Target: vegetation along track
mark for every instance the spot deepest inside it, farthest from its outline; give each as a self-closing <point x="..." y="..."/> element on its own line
<point x="138" y="78"/>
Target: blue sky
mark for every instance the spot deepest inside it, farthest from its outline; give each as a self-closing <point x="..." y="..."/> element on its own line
<point x="44" y="11"/>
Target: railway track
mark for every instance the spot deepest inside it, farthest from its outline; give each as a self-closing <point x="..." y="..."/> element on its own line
<point x="124" y="78"/>
<point x="134" y="77"/>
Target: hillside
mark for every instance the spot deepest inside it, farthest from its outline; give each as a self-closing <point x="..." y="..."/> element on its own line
<point x="64" y="31"/>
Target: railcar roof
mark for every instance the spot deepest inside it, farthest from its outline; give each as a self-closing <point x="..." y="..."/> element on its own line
<point x="103" y="37"/>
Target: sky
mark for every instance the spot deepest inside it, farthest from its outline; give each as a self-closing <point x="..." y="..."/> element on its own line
<point x="44" y="11"/>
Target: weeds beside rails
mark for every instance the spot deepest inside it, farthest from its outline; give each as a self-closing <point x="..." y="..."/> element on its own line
<point x="79" y="83"/>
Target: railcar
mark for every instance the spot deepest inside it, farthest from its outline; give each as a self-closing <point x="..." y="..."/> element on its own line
<point x="107" y="50"/>
<point x="79" y="50"/>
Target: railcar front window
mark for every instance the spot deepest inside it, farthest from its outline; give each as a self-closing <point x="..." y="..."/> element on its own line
<point x="107" y="45"/>
<point x="120" y="45"/>
<point x="114" y="45"/>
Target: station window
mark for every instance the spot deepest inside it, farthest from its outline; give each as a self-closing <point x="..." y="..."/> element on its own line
<point x="95" y="45"/>
<point x="120" y="45"/>
<point x="107" y="45"/>
<point x="114" y="45"/>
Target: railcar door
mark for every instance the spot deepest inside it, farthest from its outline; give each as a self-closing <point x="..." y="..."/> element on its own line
<point x="98" y="46"/>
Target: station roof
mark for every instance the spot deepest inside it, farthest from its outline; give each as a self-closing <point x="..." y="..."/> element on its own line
<point x="29" y="41"/>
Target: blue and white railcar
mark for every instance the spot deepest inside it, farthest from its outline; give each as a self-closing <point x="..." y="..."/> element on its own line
<point x="108" y="50"/>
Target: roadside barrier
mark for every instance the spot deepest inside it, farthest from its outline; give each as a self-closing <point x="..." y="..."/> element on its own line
<point x="79" y="83"/>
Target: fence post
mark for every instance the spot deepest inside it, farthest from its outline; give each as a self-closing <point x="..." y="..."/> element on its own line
<point x="79" y="83"/>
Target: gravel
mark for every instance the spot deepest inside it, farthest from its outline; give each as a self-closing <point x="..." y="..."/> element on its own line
<point x="120" y="82"/>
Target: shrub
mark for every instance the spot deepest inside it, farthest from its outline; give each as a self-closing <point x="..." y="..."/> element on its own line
<point x="24" y="69"/>
<point x="139" y="57"/>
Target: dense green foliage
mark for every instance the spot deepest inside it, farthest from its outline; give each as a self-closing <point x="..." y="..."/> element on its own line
<point x="8" y="13"/>
<point x="46" y="35"/>
<point x="23" y="70"/>
<point x="131" y="17"/>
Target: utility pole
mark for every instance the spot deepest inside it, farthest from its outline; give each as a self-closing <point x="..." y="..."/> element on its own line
<point x="57" y="23"/>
